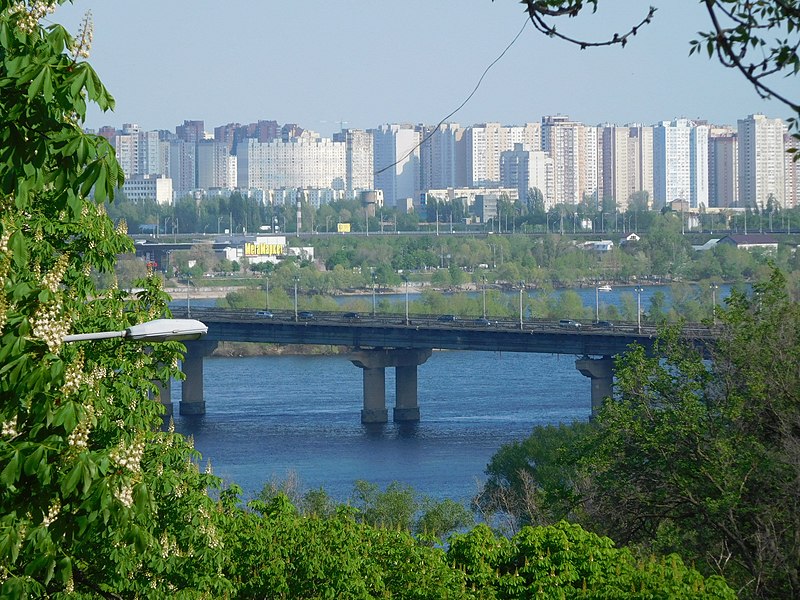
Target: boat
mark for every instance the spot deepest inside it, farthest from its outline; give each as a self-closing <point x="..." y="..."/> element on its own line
<point x="604" y="288"/>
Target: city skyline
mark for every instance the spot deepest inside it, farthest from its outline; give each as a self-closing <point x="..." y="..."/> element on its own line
<point x="365" y="64"/>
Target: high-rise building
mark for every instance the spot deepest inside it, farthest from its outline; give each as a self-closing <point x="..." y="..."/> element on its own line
<point x="439" y="156"/>
<point x="214" y="166"/>
<point x="723" y="167"/>
<point x="761" y="161"/>
<point x="576" y="153"/>
<point x="397" y="162"/>
<point x="183" y="166"/>
<point x="525" y="170"/>
<point x="359" y="160"/>
<point x="308" y="161"/>
<point x="640" y="154"/>
<point x="484" y="143"/>
<point x="191" y="131"/>
<point x="680" y="163"/>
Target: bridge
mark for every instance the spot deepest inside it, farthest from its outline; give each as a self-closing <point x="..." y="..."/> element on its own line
<point x="390" y="340"/>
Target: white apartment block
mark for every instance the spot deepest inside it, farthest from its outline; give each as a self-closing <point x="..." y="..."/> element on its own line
<point x="439" y="158"/>
<point x="627" y="163"/>
<point x="141" y="188"/>
<point x="397" y="162"/>
<point x="762" y="161"/>
<point x="483" y="144"/>
<point x="640" y="155"/>
<point x="723" y="167"/>
<point x="680" y="163"/>
<point x="698" y="164"/>
<point x="359" y="160"/>
<point x="214" y="166"/>
<point x="617" y="173"/>
<point x="183" y="166"/>
<point x="307" y="161"/>
<point x="527" y="169"/>
<point x="468" y="196"/>
<point x="575" y="151"/>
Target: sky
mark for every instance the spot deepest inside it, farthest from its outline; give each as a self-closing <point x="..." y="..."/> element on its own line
<point x="363" y="63"/>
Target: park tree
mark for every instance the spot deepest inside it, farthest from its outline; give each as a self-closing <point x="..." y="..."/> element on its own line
<point x="94" y="498"/>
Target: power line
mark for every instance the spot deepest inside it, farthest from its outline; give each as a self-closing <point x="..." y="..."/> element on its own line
<point x="460" y="106"/>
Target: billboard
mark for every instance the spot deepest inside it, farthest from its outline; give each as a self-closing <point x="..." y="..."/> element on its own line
<point x="262" y="249"/>
<point x="343" y="227"/>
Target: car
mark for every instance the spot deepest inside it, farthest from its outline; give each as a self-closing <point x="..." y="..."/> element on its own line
<point x="603" y="324"/>
<point x="306" y="315"/>
<point x="447" y="318"/>
<point x="264" y="314"/>
<point x="351" y="316"/>
<point x="569" y="324"/>
<point x="483" y="321"/>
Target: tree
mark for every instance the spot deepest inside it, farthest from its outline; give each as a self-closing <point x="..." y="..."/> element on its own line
<point x="757" y="38"/>
<point x="702" y="459"/>
<point x="93" y="497"/>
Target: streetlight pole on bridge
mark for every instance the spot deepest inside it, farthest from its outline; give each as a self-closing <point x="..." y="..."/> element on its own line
<point x="638" y="289"/>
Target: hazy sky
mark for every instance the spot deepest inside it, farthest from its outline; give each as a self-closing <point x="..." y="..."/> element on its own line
<point x="370" y="62"/>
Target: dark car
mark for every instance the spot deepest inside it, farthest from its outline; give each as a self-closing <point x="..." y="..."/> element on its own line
<point x="306" y="315"/>
<point x="351" y="316"/>
<point x="603" y="325"/>
<point x="482" y="321"/>
<point x="264" y="314"/>
<point x="447" y="318"/>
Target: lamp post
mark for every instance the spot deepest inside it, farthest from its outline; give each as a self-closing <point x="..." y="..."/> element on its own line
<point x="405" y="279"/>
<point x="374" y="304"/>
<point x="188" y="306"/>
<point x="159" y="330"/>
<point x="484" y="296"/>
<point x="266" y="287"/>
<point x="296" y="281"/>
<point x="638" y="289"/>
<point x="521" y="289"/>
<point x="713" y="287"/>
<point x="597" y="289"/>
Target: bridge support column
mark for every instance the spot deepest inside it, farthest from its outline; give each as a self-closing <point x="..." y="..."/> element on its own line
<point x="192" y="399"/>
<point x="374" y="363"/>
<point x="374" y="410"/>
<point x="601" y="372"/>
<point x="164" y="395"/>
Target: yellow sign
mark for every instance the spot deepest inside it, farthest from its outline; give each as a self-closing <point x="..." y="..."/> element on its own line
<point x="343" y="227"/>
<point x="253" y="249"/>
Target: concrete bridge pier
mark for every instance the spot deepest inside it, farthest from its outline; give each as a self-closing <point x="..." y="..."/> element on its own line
<point x="601" y="372"/>
<point x="192" y="399"/>
<point x="374" y="363"/>
<point x="164" y="395"/>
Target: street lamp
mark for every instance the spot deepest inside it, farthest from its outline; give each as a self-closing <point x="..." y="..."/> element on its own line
<point x="713" y="287"/>
<point x="266" y="287"/>
<point x="159" y="330"/>
<point x="521" y="289"/>
<point x="374" y="305"/>
<point x="638" y="289"/>
<point x="296" y="281"/>
<point x="597" y="289"/>
<point x="405" y="279"/>
<point x="484" y="296"/>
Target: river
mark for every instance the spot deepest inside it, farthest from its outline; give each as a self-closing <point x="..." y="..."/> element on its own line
<point x="267" y="417"/>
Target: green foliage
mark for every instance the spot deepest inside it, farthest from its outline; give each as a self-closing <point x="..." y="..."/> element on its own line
<point x="564" y="561"/>
<point x="93" y="497"/>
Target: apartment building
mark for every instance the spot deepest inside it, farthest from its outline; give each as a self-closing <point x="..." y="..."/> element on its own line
<point x="723" y="167"/>
<point x="397" y="162"/>
<point x="762" y="161"/>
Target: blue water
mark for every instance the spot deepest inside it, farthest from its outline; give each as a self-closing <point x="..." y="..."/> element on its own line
<point x="269" y="416"/>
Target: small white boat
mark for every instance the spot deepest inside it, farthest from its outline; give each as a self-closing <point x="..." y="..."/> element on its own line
<point x="604" y="288"/>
